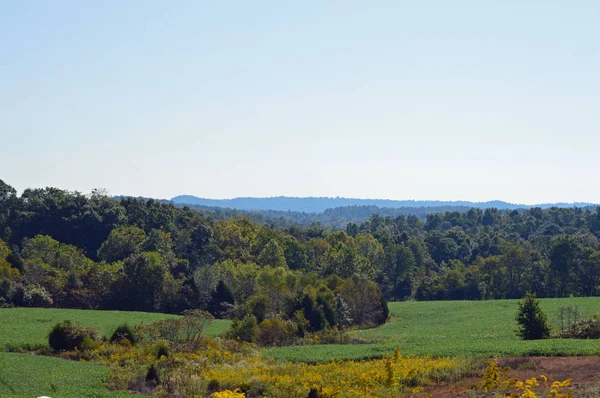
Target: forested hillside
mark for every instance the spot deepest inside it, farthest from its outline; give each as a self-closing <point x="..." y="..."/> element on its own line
<point x="337" y="217"/>
<point x="321" y="204"/>
<point x="67" y="249"/>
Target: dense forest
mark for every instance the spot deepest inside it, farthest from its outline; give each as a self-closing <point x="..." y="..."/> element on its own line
<point x="336" y="217"/>
<point x="67" y="249"/>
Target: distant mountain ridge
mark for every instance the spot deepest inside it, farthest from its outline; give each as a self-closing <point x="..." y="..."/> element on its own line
<point x="320" y="204"/>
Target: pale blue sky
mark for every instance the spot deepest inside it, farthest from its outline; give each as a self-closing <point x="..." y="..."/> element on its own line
<point x="473" y="100"/>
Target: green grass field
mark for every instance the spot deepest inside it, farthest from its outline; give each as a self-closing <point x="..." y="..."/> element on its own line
<point x="27" y="376"/>
<point x="24" y="375"/>
<point x="452" y="328"/>
<point x="20" y="326"/>
<point x="443" y="328"/>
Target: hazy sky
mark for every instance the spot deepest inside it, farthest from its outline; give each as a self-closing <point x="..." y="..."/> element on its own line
<point x="473" y="100"/>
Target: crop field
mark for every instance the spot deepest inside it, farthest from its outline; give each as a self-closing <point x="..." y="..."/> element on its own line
<point x="452" y="328"/>
<point x="19" y="326"/>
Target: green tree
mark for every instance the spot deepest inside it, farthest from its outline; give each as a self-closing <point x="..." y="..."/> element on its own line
<point x="272" y="255"/>
<point x="122" y="242"/>
<point x="532" y="321"/>
<point x="345" y="261"/>
<point x="220" y="299"/>
<point x="145" y="274"/>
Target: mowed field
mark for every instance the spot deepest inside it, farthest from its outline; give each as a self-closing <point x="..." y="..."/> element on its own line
<point x="20" y="326"/>
<point x="452" y="328"/>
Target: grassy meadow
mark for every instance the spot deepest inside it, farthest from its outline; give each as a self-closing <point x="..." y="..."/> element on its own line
<point x="20" y="326"/>
<point x="452" y="328"/>
<point x="443" y="328"/>
<point x="26" y="376"/>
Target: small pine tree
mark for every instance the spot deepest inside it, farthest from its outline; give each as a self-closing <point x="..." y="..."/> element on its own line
<point x="532" y="321"/>
<point x="385" y="310"/>
<point x="328" y="310"/>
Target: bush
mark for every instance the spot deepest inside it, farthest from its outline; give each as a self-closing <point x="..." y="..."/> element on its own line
<point x="276" y="332"/>
<point x="532" y="321"/>
<point x="161" y="348"/>
<point x="123" y="332"/>
<point x="385" y="309"/>
<point x="38" y="296"/>
<point x="187" y="329"/>
<point x="329" y="336"/>
<point x="66" y="336"/>
<point x="244" y="330"/>
<point x="583" y="329"/>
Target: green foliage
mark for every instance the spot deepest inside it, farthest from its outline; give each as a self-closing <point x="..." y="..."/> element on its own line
<point x="122" y="242"/>
<point x="385" y="310"/>
<point x="66" y="336"/>
<point x="31" y="325"/>
<point x="276" y="332"/>
<point x="259" y="306"/>
<point x="244" y="330"/>
<point x="123" y="331"/>
<point x="188" y="329"/>
<point x="92" y="251"/>
<point x="144" y="277"/>
<point x="220" y="299"/>
<point x="328" y="311"/>
<point x="272" y="255"/>
<point x="532" y="321"/>
<point x="161" y="349"/>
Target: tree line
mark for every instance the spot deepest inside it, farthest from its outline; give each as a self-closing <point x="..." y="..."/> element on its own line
<point x="93" y="251"/>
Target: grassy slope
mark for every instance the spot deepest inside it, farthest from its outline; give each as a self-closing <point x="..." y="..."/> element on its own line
<point x="20" y="326"/>
<point x="473" y="328"/>
<point x="23" y="375"/>
<point x="26" y="376"/>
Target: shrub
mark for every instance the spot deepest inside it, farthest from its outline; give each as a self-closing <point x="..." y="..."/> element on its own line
<point x="161" y="348"/>
<point x="244" y="330"/>
<point x="385" y="310"/>
<point x="38" y="296"/>
<point x="123" y="332"/>
<point x="187" y="329"/>
<point x="276" y="332"/>
<point x="329" y="336"/>
<point x="532" y="321"/>
<point x="152" y="376"/>
<point x="583" y="329"/>
<point x="65" y="336"/>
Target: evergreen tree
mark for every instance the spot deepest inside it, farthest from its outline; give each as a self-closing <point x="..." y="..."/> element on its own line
<point x="533" y="323"/>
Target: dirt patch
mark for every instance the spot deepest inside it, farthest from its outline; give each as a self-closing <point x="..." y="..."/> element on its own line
<point x="584" y="372"/>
